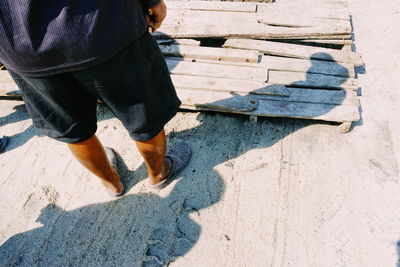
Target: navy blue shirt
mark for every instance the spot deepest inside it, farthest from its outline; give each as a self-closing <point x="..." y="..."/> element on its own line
<point x="44" y="37"/>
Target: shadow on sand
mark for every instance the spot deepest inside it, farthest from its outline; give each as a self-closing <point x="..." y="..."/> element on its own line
<point x="146" y="229"/>
<point x="398" y="253"/>
<point x="114" y="233"/>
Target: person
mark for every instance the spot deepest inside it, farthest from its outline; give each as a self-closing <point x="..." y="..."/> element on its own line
<point x="64" y="55"/>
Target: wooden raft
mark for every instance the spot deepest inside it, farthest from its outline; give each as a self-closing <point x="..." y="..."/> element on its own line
<point x="290" y="58"/>
<point x="259" y="77"/>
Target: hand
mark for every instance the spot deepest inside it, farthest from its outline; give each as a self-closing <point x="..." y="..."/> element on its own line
<point x="156" y="16"/>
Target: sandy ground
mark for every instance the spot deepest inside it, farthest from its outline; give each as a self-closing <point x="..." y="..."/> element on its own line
<point x="279" y="192"/>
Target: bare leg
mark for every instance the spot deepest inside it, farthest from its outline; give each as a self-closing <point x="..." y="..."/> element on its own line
<point x="153" y="152"/>
<point x="91" y="154"/>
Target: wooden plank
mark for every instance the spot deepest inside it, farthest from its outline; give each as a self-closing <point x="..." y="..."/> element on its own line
<point x="265" y="90"/>
<point x="287" y="64"/>
<point x="309" y="66"/>
<point x="217" y="101"/>
<point x="310" y="95"/>
<point x="273" y="18"/>
<point x="227" y="85"/>
<point x="296" y="51"/>
<point x="231" y="63"/>
<point x="278" y="18"/>
<point x="298" y="79"/>
<point x="191" y="24"/>
<point x="330" y="37"/>
<point x="216" y="70"/>
<point x="236" y="30"/>
<point x="215" y="53"/>
<point x="337" y="5"/>
<point x="251" y="105"/>
<point x="212" y="6"/>
<point x="337" y="113"/>
<point x="211" y="17"/>
<point x="326" y="14"/>
<point x="301" y="9"/>
<point x="302" y="21"/>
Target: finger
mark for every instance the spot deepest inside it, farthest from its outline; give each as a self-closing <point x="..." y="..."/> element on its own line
<point x="150" y="23"/>
<point x="148" y="20"/>
<point x="157" y="25"/>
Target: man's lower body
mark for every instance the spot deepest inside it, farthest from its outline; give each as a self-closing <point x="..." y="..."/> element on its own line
<point x="137" y="87"/>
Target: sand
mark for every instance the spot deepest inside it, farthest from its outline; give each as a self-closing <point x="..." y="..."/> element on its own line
<point x="279" y="192"/>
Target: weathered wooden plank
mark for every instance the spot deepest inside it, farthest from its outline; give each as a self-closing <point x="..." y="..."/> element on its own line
<point x="259" y="31"/>
<point x="215" y="53"/>
<point x="227" y="85"/>
<point x="253" y="105"/>
<point x="193" y="23"/>
<point x="338" y="113"/>
<point x="298" y="79"/>
<point x="212" y="6"/>
<point x="277" y="19"/>
<point x="216" y="101"/>
<point x="302" y="21"/>
<point x="330" y="37"/>
<point x="304" y="95"/>
<point x="211" y="17"/>
<point x="337" y="5"/>
<point x="216" y="70"/>
<point x="296" y="51"/>
<point x="309" y="66"/>
<point x="326" y="14"/>
<point x="265" y="90"/>
<point x="211" y="61"/>
<point x="301" y="9"/>
<point x="287" y="64"/>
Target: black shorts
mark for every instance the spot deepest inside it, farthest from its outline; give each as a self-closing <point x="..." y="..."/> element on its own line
<point x="135" y="84"/>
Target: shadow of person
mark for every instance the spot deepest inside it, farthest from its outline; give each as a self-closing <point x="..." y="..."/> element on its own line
<point x="146" y="229"/>
<point x="134" y="230"/>
<point x="268" y="132"/>
<point x="20" y="114"/>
